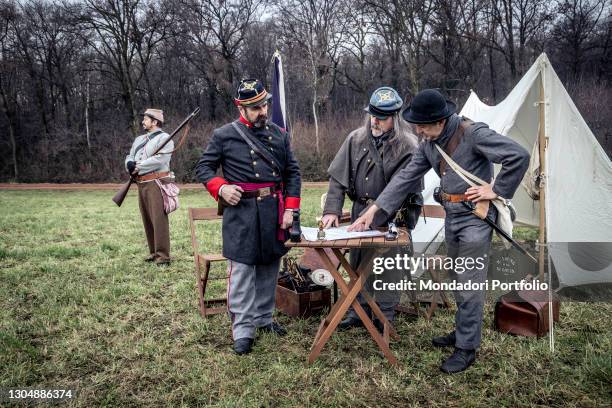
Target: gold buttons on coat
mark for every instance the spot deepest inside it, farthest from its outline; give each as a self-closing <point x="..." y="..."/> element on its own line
<point x="256" y="174"/>
<point x="252" y="152"/>
<point x="269" y="137"/>
<point x="366" y="179"/>
<point x="254" y="163"/>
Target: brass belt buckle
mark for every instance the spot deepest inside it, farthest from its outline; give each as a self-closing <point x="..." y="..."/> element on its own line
<point x="264" y="192"/>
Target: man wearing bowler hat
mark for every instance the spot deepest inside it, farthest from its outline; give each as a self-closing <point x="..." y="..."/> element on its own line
<point x="150" y="169"/>
<point x="474" y="147"/>
<point x="259" y="191"/>
<point x="366" y="161"/>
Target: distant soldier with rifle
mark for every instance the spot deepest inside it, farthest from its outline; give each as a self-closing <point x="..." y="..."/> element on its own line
<point x="148" y="169"/>
<point x="259" y="192"/>
<point x="458" y="150"/>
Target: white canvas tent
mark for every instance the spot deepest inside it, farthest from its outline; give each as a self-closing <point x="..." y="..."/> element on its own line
<point x="577" y="173"/>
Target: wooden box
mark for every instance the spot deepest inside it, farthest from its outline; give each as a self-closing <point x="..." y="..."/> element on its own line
<point x="304" y="304"/>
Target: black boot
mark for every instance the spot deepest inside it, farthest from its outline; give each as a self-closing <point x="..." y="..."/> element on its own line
<point x="243" y="345"/>
<point x="459" y="361"/>
<point x="349" y="323"/>
<point x="444" y="341"/>
<point x="273" y="328"/>
<point x="379" y="326"/>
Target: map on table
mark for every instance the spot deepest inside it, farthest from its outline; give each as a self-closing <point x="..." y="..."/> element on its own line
<point x="332" y="234"/>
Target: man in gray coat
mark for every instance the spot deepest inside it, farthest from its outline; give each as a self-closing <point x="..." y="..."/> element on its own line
<point x="366" y="162"/>
<point x="474" y="147"/>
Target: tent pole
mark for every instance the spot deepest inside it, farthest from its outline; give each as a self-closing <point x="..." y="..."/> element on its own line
<point x="542" y="142"/>
<point x="542" y="150"/>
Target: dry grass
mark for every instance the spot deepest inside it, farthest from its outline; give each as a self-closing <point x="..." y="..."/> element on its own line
<point x="79" y="309"/>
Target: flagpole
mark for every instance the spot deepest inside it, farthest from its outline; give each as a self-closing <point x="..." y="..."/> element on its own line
<point x="279" y="109"/>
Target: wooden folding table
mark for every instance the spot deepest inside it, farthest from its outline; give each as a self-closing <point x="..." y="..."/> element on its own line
<point x="353" y="287"/>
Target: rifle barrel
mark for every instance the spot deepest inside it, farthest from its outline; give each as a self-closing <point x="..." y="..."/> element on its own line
<point x="125" y="188"/>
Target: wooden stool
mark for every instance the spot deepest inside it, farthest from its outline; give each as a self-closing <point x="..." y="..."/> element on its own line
<point x="203" y="263"/>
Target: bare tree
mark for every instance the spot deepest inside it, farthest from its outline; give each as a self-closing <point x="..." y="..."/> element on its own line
<point x="459" y="30"/>
<point x="318" y="28"/>
<point x="576" y="28"/>
<point x="126" y="34"/>
<point x="215" y="32"/>
<point x="356" y="50"/>
<point x="74" y="73"/>
<point x="407" y="22"/>
<point x="518" y="21"/>
<point x="8" y="73"/>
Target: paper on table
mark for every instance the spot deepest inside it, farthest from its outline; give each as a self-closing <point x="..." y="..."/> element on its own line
<point x="331" y="234"/>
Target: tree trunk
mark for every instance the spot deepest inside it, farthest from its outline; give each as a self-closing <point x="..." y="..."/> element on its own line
<point x="131" y="107"/>
<point x="14" y="149"/>
<point x="10" y="116"/>
<point x="316" y="121"/>
<point x="87" y="100"/>
<point x="493" y="76"/>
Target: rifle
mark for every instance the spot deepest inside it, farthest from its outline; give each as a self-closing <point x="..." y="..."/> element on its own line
<point x="503" y="233"/>
<point x="122" y="193"/>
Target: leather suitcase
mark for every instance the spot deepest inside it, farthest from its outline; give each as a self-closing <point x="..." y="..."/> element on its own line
<point x="525" y="313"/>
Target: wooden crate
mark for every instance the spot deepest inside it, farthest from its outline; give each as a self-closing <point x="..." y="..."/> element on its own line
<point x="304" y="304"/>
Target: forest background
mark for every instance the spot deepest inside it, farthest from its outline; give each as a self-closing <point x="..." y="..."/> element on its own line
<point x="75" y="76"/>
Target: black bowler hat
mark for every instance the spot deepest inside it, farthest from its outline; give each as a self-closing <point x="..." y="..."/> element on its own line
<point x="384" y="102"/>
<point x="428" y="106"/>
<point x="251" y="92"/>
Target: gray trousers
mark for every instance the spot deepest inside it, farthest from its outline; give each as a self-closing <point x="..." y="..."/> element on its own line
<point x="468" y="236"/>
<point x="386" y="300"/>
<point x="251" y="296"/>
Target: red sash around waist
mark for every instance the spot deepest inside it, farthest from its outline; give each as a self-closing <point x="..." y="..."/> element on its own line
<point x="280" y="233"/>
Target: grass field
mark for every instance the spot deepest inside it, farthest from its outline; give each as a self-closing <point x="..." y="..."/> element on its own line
<point x="80" y="310"/>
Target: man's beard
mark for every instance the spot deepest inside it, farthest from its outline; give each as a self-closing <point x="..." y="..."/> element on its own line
<point x="376" y="131"/>
<point x="260" y="121"/>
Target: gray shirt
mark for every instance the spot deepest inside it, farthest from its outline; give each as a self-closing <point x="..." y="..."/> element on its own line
<point x="145" y="161"/>
<point x="480" y="147"/>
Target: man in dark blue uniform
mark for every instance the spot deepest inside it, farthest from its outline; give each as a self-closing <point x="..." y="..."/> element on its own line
<point x="475" y="148"/>
<point x="259" y="190"/>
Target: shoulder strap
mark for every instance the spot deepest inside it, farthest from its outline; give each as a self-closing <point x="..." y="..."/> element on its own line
<point x="143" y="144"/>
<point x="468" y="177"/>
<point x="256" y="149"/>
<point x="453" y="142"/>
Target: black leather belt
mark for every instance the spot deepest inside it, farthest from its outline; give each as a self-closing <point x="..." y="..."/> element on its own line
<point x="260" y="192"/>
